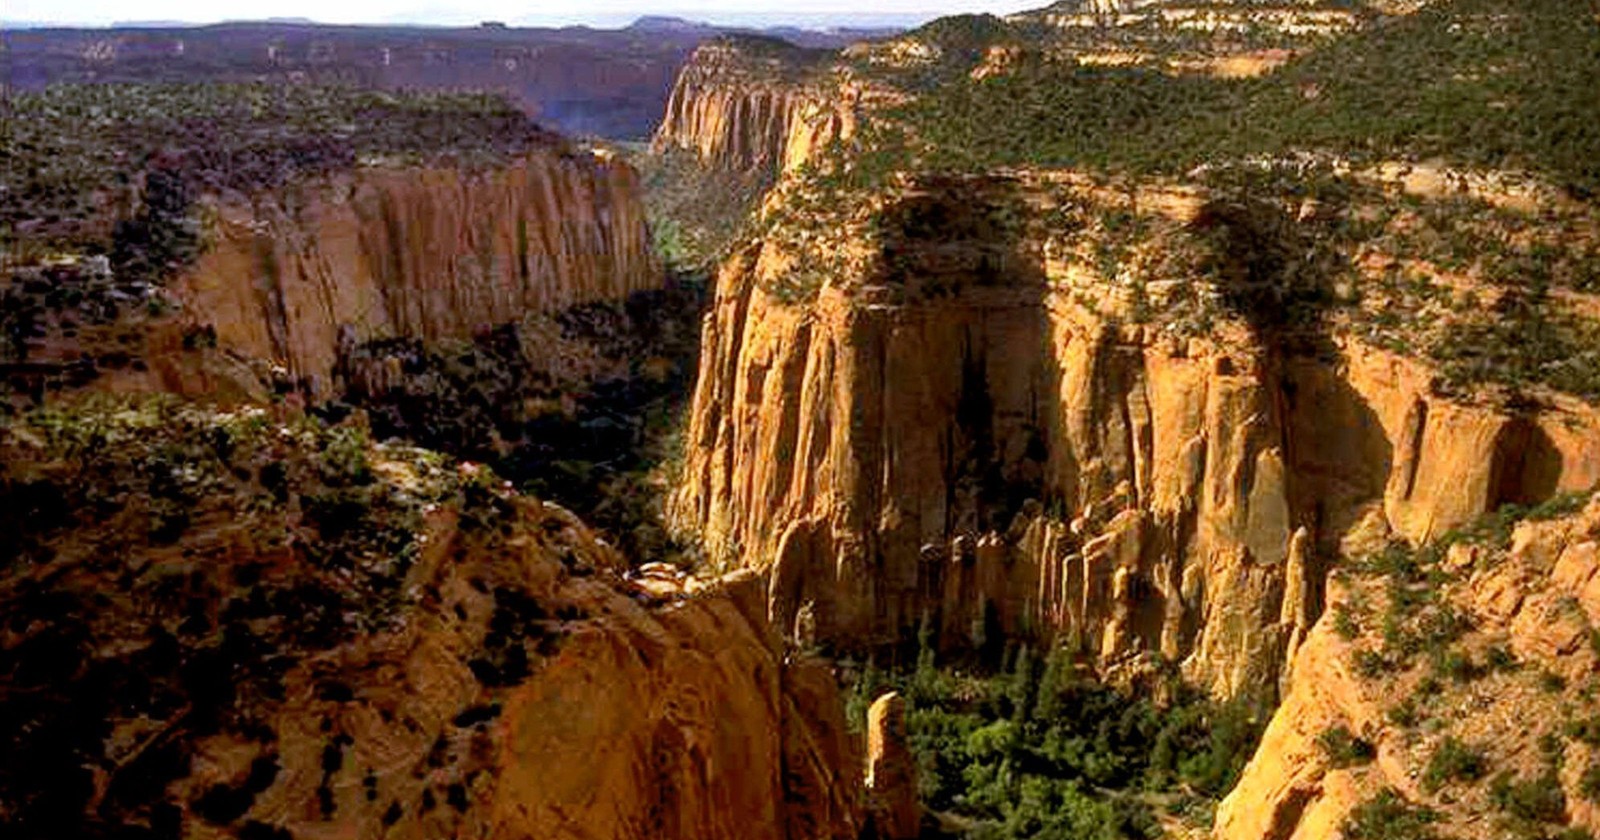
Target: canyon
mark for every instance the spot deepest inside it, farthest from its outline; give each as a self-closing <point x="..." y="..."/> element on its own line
<point x="930" y="407"/>
<point x="996" y="451"/>
<point x="1281" y="446"/>
<point x="326" y="634"/>
<point x="581" y="80"/>
<point x="420" y="252"/>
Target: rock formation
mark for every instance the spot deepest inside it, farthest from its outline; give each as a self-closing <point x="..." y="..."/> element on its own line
<point x="891" y="771"/>
<point x="334" y="639"/>
<point x="978" y="431"/>
<point x="416" y="252"/>
<point x="1506" y="694"/>
<point x="743" y="104"/>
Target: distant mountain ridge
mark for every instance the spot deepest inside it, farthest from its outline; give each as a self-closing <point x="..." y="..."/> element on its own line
<point x="611" y="83"/>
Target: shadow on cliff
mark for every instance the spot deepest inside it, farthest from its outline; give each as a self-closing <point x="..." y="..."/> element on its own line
<point x="1272" y="270"/>
<point x="581" y="418"/>
<point x="954" y="256"/>
<point x="1275" y="263"/>
<point x="962" y="237"/>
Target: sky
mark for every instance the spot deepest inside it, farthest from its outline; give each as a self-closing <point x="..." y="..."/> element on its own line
<point x="514" y="12"/>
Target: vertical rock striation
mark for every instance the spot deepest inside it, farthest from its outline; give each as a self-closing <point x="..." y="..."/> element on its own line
<point x="743" y="104"/>
<point x="1005" y="460"/>
<point x="422" y="252"/>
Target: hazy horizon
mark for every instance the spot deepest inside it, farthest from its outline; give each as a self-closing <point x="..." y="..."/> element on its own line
<point x="599" y="13"/>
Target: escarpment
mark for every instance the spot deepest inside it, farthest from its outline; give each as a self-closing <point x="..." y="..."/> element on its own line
<point x="1447" y="692"/>
<point x="748" y="104"/>
<point x="424" y="252"/>
<point x="958" y="421"/>
<point x="302" y="634"/>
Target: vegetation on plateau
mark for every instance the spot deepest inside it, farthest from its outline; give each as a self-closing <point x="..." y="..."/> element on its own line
<point x="84" y="156"/>
<point x="1483" y="289"/>
<point x="1481" y="83"/>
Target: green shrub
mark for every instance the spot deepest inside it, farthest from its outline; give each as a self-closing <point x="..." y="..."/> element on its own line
<point x="1500" y="658"/>
<point x="1403" y="714"/>
<point x="1388" y="816"/>
<point x="1454" y="761"/>
<point x="1589" y="782"/>
<point x="1345" y="624"/>
<point x="1457" y="666"/>
<point x="1586" y="730"/>
<point x="1343" y="748"/>
<point x="1539" y="799"/>
<point x="1369" y="664"/>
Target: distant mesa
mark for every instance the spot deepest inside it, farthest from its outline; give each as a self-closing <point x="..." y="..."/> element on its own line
<point x="667" y="23"/>
<point x="149" y="24"/>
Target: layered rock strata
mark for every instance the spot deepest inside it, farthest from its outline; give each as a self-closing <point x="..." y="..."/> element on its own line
<point x="1009" y="456"/>
<point x="424" y="252"/>
<point x="1505" y="700"/>
<point x="741" y="107"/>
<point x="438" y="657"/>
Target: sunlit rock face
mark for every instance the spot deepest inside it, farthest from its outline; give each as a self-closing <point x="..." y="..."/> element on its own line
<point x="755" y="105"/>
<point x="416" y="252"/>
<point x="301" y="634"/>
<point x="971" y="430"/>
<point x="1523" y="656"/>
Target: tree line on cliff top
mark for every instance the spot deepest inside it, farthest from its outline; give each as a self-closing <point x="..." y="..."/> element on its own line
<point x="80" y="155"/>
<point x="1474" y="82"/>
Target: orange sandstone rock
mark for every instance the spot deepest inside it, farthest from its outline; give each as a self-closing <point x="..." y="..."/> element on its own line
<point x="420" y="252"/>
<point x="999" y="455"/>
<point x="891" y="771"/>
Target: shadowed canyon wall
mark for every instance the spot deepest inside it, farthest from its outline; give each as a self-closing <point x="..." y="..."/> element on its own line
<point x="406" y="650"/>
<point x="424" y="252"/>
<point x="1009" y="455"/>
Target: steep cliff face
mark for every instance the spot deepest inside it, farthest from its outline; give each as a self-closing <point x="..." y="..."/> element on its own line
<point x="304" y="635"/>
<point x="751" y="105"/>
<point x="416" y="252"/>
<point x="72" y="324"/>
<point x="1488" y="735"/>
<point x="979" y="435"/>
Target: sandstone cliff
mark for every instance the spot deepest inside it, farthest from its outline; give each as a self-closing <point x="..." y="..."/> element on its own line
<point x="957" y="422"/>
<point x="1490" y="734"/>
<point x="753" y="105"/>
<point x="426" y="252"/>
<point x="303" y="635"/>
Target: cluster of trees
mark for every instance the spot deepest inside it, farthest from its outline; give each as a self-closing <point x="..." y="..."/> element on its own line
<point x="84" y="156"/>
<point x="1472" y="81"/>
<point x="1036" y="748"/>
